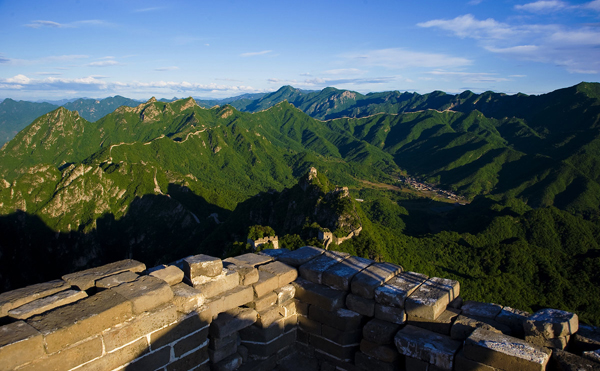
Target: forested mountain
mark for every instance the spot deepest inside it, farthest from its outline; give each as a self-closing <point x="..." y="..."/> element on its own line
<point x="161" y="180"/>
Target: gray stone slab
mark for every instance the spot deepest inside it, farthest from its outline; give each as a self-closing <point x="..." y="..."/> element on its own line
<point x="560" y="342"/>
<point x="587" y="338"/>
<point x="232" y="321"/>
<point x="87" y="278"/>
<point x="358" y="304"/>
<point x="252" y="259"/>
<point x="505" y="352"/>
<point x="116" y="280"/>
<point x="300" y="256"/>
<point x="145" y="293"/>
<point x="431" y="347"/>
<point x="441" y="325"/>
<point x="551" y="323"/>
<point x="380" y="332"/>
<point x="186" y="298"/>
<point x="285" y="273"/>
<point x="369" y="279"/>
<point x="514" y="319"/>
<point x="319" y="295"/>
<point x="274" y="253"/>
<point x="247" y="273"/>
<point x="16" y="298"/>
<point x="462" y="363"/>
<point x="566" y="361"/>
<point x="340" y="275"/>
<point x="214" y="285"/>
<point x="341" y="319"/>
<point x="592" y="355"/>
<point x="202" y="265"/>
<point x="464" y="325"/>
<point x="478" y="309"/>
<point x="383" y="352"/>
<point x="390" y="314"/>
<point x="432" y="297"/>
<point x="47" y="303"/>
<point x="313" y="270"/>
<point x="395" y="291"/>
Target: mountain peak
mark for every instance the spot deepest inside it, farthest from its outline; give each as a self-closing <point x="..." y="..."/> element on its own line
<point x="151" y="100"/>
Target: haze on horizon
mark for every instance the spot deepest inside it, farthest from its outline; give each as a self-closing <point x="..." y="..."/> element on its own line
<point x="138" y="49"/>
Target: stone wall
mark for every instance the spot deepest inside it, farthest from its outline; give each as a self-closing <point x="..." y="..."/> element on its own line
<point x="308" y="309"/>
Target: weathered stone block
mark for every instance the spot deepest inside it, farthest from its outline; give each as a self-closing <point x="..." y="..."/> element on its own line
<point x="342" y="352"/>
<point x="191" y="342"/>
<point x="340" y="275"/>
<point x="592" y="355"/>
<point x="505" y="352"/>
<point x="233" y="362"/>
<point x="565" y="361"/>
<point x="587" y="338"/>
<point x="266" y="283"/>
<point x="551" y="323"/>
<point x="433" y="348"/>
<point x="558" y="343"/>
<point x="395" y="291"/>
<point x="432" y="297"/>
<point x="196" y="360"/>
<point x="87" y="278"/>
<point x="285" y="274"/>
<point x="364" y="362"/>
<point x="222" y="352"/>
<point x="198" y="320"/>
<point x="15" y="298"/>
<point x="300" y="256"/>
<point x="385" y="353"/>
<point x="475" y="309"/>
<point x="265" y="350"/>
<point x="218" y="284"/>
<point x="145" y="293"/>
<point x="313" y="269"/>
<point x="301" y="307"/>
<point x="319" y="295"/>
<point x="274" y="253"/>
<point x="361" y="305"/>
<point x="285" y="293"/>
<point x="379" y="331"/>
<point x="365" y="282"/>
<point x="247" y="273"/>
<point x="218" y="343"/>
<point x="236" y="297"/>
<point x="341" y="337"/>
<point x="151" y="361"/>
<point x="309" y="325"/>
<point x="456" y="303"/>
<point x="19" y="343"/>
<point x="47" y="303"/>
<point x="202" y="265"/>
<point x="441" y="325"/>
<point x="462" y="363"/>
<point x="170" y="274"/>
<point x="186" y="298"/>
<point x="267" y="316"/>
<point x="119" y="357"/>
<point x="341" y="319"/>
<point x="390" y="314"/>
<point x="116" y="280"/>
<point x="67" y="325"/>
<point x="513" y="318"/>
<point x="259" y="334"/>
<point x="250" y="259"/>
<point x="67" y="358"/>
<point x="463" y="327"/>
<point x="263" y="302"/>
<point x="139" y="326"/>
<point x="232" y="321"/>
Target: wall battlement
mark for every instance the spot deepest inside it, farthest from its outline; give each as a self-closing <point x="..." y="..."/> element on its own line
<point x="307" y="309"/>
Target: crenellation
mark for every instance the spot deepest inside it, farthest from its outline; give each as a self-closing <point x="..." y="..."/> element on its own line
<point x="306" y="309"/>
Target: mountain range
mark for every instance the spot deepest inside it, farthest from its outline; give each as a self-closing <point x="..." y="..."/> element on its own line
<point x="160" y="180"/>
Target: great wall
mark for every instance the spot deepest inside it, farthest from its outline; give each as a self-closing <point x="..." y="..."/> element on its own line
<point x="307" y="309"/>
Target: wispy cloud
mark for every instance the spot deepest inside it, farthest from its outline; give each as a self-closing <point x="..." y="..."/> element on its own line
<point x="251" y="54"/>
<point x="48" y="73"/>
<point x="106" y="63"/>
<point x="170" y="68"/>
<point x="576" y="48"/>
<point x="471" y="77"/>
<point x="398" y="58"/>
<point x="75" y="24"/>
<point x="45" y="60"/>
<point x="320" y="82"/>
<point x="544" y="6"/>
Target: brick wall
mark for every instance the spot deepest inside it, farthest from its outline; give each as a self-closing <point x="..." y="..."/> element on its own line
<point x="308" y="309"/>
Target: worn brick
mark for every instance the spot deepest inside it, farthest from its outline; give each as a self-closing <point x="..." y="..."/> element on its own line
<point x="341" y="337"/>
<point x="463" y="327"/>
<point x="258" y="334"/>
<point x="383" y="352"/>
<point x="285" y="273"/>
<point x="67" y="325"/>
<point x="513" y="318"/>
<point x="139" y="326"/>
<point x="46" y="303"/>
<point x="185" y="326"/>
<point x="441" y="325"/>
<point x="288" y="308"/>
<point x="202" y="265"/>
<point x="340" y="275"/>
<point x="300" y="256"/>
<point x="232" y="321"/>
<point x="186" y="298"/>
<point x="476" y="309"/>
<point x="267" y="316"/>
<point x="190" y="342"/>
<point x="432" y="298"/>
<point x="236" y="297"/>
<point x="361" y="305"/>
<point x="263" y="302"/>
<point x="170" y="274"/>
<point x="233" y="362"/>
<point x="319" y="295"/>
<point x="365" y="282"/>
<point x="390" y="314"/>
<point x="313" y="269"/>
<point x="19" y="343"/>
<point x="436" y="349"/>
<point x="285" y="293"/>
<point x="87" y="278"/>
<point x="15" y="298"/>
<point x="364" y="362"/>
<point x="118" y="357"/>
<point x="264" y="350"/>
<point x="191" y="361"/>
<point x="250" y="259"/>
<point x="551" y="323"/>
<point x="342" y="352"/>
<point x="247" y="273"/>
<point x="566" y="361"/>
<point x="223" y="352"/>
<point x="116" y="280"/>
<point x="309" y="325"/>
<point x="68" y="358"/>
<point x="464" y="364"/>
<point x="266" y="283"/>
<point x="341" y="319"/>
<point x="394" y="292"/>
<point x="151" y="361"/>
<point x="145" y="293"/>
<point x="212" y="286"/>
<point x="380" y="331"/>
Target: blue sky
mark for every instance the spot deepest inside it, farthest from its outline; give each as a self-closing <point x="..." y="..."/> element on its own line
<point x="139" y="49"/>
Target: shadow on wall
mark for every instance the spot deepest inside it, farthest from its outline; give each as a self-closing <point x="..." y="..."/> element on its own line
<point x="156" y="229"/>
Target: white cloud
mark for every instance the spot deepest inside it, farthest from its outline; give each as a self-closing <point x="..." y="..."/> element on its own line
<point x="251" y="54"/>
<point x="106" y="63"/>
<point x="397" y="58"/>
<point x="48" y="73"/>
<point x="543" y="6"/>
<point x="44" y="60"/>
<point x="19" y="79"/>
<point x="38" y="24"/>
<point x="467" y="26"/>
<point x="594" y="5"/>
<point x="75" y="24"/>
<point x="170" y="68"/>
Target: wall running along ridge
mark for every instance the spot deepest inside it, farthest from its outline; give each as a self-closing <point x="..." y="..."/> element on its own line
<point x="307" y="309"/>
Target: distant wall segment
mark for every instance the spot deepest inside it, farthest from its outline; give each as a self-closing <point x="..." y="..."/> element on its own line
<point x="307" y="309"/>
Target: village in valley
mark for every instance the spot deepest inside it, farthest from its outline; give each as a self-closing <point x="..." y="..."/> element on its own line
<point x="432" y="190"/>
